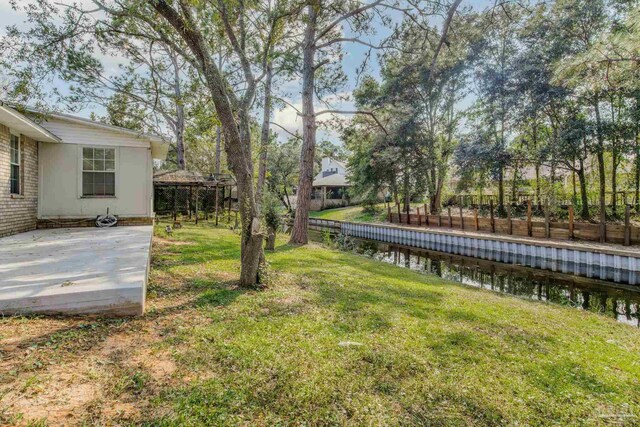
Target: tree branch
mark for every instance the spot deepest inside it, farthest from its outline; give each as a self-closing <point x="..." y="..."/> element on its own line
<point x="365" y="113"/>
<point x="347" y="15"/>
<point x="295" y="135"/>
<point x="443" y="38"/>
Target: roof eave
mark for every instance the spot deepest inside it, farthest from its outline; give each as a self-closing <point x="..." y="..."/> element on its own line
<point x="16" y="120"/>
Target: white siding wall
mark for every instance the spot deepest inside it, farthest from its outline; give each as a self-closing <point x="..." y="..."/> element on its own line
<point x="75" y="133"/>
<point x="60" y="190"/>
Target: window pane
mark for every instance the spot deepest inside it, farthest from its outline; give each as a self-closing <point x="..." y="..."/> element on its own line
<point x="15" y="149"/>
<point x="15" y="179"/>
<point x="87" y="184"/>
<point x="98" y="153"/>
<point x="110" y="165"/>
<point x="87" y="153"/>
<point x="87" y="165"/>
<point x="109" y="184"/>
<point x="109" y="154"/>
<point x="98" y="183"/>
<point x="98" y="165"/>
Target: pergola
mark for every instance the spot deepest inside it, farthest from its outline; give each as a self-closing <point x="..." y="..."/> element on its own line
<point x="181" y="190"/>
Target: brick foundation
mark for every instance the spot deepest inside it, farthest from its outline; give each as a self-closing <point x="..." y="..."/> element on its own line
<point x="90" y="222"/>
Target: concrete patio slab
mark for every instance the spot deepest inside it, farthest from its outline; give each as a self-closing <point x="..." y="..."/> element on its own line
<point x="75" y="271"/>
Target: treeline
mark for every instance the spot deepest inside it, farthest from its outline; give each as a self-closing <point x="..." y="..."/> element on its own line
<point x="541" y="99"/>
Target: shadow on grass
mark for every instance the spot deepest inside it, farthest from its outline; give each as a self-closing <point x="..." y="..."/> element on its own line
<point x="202" y="251"/>
<point x="218" y="297"/>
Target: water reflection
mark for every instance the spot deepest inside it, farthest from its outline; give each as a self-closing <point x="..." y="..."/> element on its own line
<point x="588" y="294"/>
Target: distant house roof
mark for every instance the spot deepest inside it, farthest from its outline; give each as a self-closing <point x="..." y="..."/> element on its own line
<point x="185" y="177"/>
<point x="335" y="180"/>
<point x="341" y="163"/>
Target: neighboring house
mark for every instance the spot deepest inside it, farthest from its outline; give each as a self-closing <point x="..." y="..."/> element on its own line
<point x="60" y="170"/>
<point x="330" y="185"/>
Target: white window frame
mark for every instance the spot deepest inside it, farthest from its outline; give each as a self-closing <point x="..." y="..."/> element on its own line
<point x="19" y="164"/>
<point x="116" y="160"/>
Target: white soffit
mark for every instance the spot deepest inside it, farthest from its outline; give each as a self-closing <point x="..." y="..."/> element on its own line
<point x="17" y="122"/>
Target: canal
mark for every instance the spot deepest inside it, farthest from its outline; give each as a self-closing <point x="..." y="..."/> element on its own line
<point x="607" y="298"/>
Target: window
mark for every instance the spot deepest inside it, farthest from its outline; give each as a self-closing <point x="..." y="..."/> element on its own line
<point x="14" y="161"/>
<point x="98" y="171"/>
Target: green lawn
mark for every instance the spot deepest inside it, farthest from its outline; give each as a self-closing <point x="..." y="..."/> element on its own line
<point x="335" y="339"/>
<point x="351" y="213"/>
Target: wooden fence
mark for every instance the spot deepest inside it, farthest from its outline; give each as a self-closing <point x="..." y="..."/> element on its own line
<point x="610" y="233"/>
<point x="483" y="200"/>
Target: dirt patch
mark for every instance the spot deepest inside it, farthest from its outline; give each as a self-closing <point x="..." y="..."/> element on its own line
<point x="290" y="300"/>
<point x="160" y="365"/>
<point x="113" y="380"/>
<point x="56" y="395"/>
<point x="115" y="345"/>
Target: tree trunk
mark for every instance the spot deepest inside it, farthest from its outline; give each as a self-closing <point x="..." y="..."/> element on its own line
<point x="286" y="196"/>
<point x="615" y="158"/>
<point x="406" y="190"/>
<point x="537" y="165"/>
<point x="180" y="155"/>
<point x="584" y="210"/>
<point x="241" y="162"/>
<point x="271" y="239"/>
<point x="615" y="161"/>
<point x="218" y="149"/>
<point x="217" y="171"/>
<point x="637" y="147"/>
<point x="574" y="188"/>
<point x="514" y="181"/>
<point x="265" y="134"/>
<point x="501" y="190"/>
<point x="552" y="196"/>
<point x="299" y="233"/>
<point x="601" y="168"/>
<point x="637" y="177"/>
<point x="436" y="200"/>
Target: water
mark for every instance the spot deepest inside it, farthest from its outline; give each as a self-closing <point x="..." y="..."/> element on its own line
<point x="607" y="298"/>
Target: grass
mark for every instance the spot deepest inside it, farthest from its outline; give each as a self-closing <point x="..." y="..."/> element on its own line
<point x="351" y="213"/>
<point x="335" y="339"/>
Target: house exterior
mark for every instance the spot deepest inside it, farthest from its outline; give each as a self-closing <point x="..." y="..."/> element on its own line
<point x="330" y="185"/>
<point x="60" y="170"/>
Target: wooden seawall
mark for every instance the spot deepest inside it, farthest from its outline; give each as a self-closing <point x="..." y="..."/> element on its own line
<point x="606" y="262"/>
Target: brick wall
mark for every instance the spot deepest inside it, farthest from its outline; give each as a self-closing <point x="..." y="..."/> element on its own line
<point x="18" y="213"/>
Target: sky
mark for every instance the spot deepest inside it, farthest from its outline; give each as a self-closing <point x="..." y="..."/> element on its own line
<point x="286" y="117"/>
